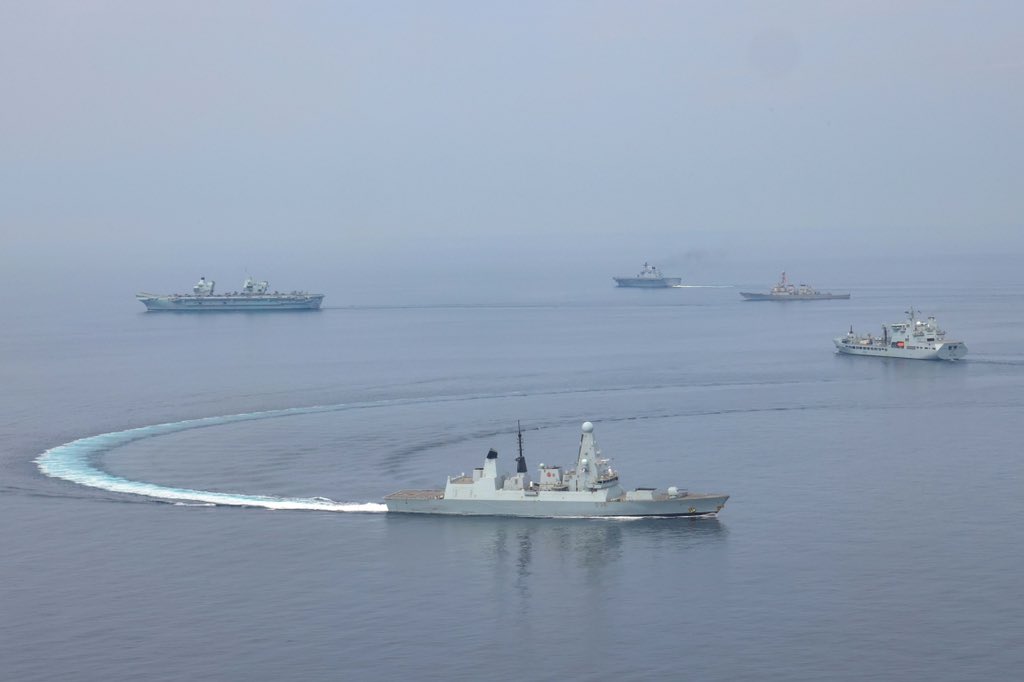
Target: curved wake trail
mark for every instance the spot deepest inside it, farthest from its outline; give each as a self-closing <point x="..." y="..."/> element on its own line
<point x="74" y="462"/>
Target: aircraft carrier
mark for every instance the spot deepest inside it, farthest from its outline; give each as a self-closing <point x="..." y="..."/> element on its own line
<point x="253" y="296"/>
<point x="650" y="277"/>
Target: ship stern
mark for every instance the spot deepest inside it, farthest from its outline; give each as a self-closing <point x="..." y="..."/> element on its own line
<point x="952" y="350"/>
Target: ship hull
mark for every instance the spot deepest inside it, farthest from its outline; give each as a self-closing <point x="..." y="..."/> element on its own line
<point x="636" y="283"/>
<point x="229" y="303"/>
<point x="950" y="350"/>
<point x="793" y="297"/>
<point x="538" y="507"/>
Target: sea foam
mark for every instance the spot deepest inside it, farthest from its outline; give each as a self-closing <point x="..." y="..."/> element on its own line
<point x="75" y="462"/>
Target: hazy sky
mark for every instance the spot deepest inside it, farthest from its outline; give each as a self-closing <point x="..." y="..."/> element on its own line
<point x="174" y="136"/>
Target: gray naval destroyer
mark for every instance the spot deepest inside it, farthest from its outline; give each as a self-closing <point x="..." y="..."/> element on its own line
<point x="912" y="339"/>
<point x="591" y="489"/>
<point x="253" y="296"/>
<point x="650" y="277"/>
<point x="785" y="291"/>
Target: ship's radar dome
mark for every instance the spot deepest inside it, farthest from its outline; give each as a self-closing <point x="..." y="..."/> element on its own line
<point x="588" y="427"/>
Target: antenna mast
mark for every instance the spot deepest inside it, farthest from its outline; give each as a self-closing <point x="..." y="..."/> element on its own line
<point x="520" y="460"/>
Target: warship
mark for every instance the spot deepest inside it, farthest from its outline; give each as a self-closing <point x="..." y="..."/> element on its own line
<point x="650" y="277"/>
<point x="912" y="339"/>
<point x="785" y="291"/>
<point x="253" y="296"/>
<point x="591" y="489"/>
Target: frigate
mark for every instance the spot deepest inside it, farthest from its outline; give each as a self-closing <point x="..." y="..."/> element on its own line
<point x="913" y="339"/>
<point x="650" y="277"/>
<point x="785" y="291"/>
<point x="253" y="296"/>
<point x="590" y="489"/>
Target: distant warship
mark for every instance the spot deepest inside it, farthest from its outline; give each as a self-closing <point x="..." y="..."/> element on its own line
<point x="650" y="277"/>
<point x="912" y="339"/>
<point x="784" y="291"/>
<point x="253" y="296"/>
<point x="591" y="489"/>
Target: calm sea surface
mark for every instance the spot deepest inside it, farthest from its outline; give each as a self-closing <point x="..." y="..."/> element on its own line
<point x="873" y="530"/>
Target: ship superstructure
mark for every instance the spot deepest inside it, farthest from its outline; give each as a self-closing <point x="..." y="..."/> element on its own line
<point x="913" y="339"/>
<point x="252" y="296"/>
<point x="590" y="489"/>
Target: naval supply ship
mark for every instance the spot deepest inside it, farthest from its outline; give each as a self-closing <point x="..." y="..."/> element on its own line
<point x="912" y="338"/>
<point x="591" y="489"/>
<point x="253" y="296"/>
<point x="650" y="277"/>
<point x="785" y="291"/>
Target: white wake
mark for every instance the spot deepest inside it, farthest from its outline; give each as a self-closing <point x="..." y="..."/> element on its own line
<point x="74" y="462"/>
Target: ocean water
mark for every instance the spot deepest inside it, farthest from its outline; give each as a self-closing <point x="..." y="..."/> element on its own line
<point x="199" y="497"/>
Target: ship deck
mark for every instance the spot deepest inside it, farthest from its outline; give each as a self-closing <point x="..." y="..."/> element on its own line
<point x="416" y="495"/>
